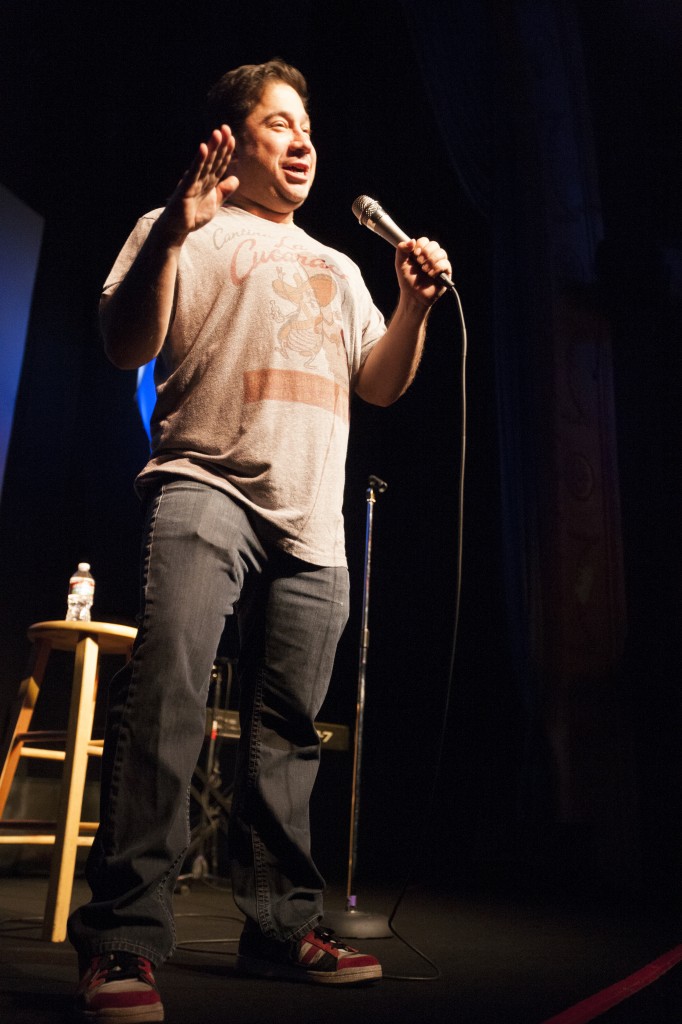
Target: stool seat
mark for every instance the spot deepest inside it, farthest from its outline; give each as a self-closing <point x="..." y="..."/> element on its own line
<point x="88" y="641"/>
<point x="64" y="636"/>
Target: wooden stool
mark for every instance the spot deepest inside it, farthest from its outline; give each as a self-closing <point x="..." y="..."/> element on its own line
<point x="88" y="640"/>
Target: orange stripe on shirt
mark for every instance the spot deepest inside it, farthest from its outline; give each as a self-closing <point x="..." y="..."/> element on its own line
<point x="295" y="386"/>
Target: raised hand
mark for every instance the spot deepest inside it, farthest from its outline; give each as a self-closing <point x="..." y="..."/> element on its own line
<point x="136" y="316"/>
<point x="203" y="188"/>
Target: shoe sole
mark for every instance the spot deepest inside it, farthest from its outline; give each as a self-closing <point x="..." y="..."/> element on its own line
<point x="124" y="1014"/>
<point x="347" y="976"/>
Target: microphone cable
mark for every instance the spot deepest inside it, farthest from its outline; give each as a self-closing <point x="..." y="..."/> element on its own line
<point x="440" y="744"/>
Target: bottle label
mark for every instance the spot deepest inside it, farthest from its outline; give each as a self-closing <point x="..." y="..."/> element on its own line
<point x="82" y="588"/>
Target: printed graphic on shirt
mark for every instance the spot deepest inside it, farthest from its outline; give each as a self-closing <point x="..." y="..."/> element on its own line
<point x="311" y="325"/>
<point x="294" y="386"/>
<point x="308" y="362"/>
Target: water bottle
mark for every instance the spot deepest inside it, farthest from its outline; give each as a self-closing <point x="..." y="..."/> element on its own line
<point x="81" y="594"/>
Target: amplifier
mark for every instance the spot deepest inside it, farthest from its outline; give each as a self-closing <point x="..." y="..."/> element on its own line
<point x="226" y="725"/>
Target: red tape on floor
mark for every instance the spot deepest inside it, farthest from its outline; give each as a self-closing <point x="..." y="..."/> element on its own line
<point x="595" y="1005"/>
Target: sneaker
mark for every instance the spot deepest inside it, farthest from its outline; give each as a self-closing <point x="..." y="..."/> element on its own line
<point x="317" y="957"/>
<point x="119" y="986"/>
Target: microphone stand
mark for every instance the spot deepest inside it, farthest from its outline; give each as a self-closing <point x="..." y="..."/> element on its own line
<point x="353" y="923"/>
<point x="206" y="788"/>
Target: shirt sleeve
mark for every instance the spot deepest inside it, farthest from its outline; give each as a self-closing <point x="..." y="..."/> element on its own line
<point x="126" y="256"/>
<point x="372" y="320"/>
<point x="374" y="328"/>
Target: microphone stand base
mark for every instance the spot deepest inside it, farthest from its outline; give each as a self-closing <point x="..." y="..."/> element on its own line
<point x="357" y="924"/>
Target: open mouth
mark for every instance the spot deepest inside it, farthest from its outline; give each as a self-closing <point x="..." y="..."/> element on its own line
<point x="298" y="171"/>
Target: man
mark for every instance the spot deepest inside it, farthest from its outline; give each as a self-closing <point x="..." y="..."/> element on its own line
<point x="259" y="333"/>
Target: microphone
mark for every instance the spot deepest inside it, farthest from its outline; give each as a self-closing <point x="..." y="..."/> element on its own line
<point x="374" y="217"/>
<point x="380" y="485"/>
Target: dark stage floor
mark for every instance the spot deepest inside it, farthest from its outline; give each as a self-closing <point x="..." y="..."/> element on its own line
<point x="500" y="961"/>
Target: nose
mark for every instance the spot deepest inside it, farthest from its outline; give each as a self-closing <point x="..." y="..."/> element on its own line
<point x="300" y="140"/>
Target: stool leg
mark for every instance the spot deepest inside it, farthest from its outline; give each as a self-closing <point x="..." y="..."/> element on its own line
<point x="70" y="809"/>
<point x="19" y="717"/>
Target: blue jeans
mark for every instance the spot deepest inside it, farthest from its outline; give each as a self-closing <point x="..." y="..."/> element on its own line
<point x="203" y="559"/>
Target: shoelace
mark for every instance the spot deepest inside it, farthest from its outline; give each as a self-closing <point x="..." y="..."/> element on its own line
<point x="124" y="965"/>
<point x="327" y="936"/>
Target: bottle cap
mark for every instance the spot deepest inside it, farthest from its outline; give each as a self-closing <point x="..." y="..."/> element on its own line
<point x="84" y="566"/>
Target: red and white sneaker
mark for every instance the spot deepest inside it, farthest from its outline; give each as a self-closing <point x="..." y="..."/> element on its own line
<point x="119" y="986"/>
<point x="317" y="957"/>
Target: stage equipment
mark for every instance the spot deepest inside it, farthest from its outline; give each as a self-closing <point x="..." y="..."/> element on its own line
<point x="210" y="792"/>
<point x="89" y="642"/>
<point x="207" y="789"/>
<point x="352" y="922"/>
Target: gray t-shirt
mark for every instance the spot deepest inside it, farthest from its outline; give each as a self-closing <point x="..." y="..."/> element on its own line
<point x="254" y="380"/>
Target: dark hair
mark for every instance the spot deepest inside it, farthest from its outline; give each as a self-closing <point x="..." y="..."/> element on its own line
<point x="233" y="97"/>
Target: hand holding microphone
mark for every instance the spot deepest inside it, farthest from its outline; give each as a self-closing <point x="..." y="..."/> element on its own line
<point x="374" y="217"/>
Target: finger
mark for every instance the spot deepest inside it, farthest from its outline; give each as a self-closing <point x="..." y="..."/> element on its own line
<point x="221" y="142"/>
<point x="224" y="154"/>
<point x="425" y="249"/>
<point x="214" y="156"/>
<point x="194" y="169"/>
<point x="227" y="186"/>
<point x="213" y="147"/>
<point x="431" y="257"/>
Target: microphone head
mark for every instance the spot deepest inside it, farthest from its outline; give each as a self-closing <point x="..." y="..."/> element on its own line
<point x="372" y="216"/>
<point x="365" y="209"/>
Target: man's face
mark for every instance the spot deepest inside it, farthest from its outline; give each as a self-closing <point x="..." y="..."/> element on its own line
<point x="274" y="158"/>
